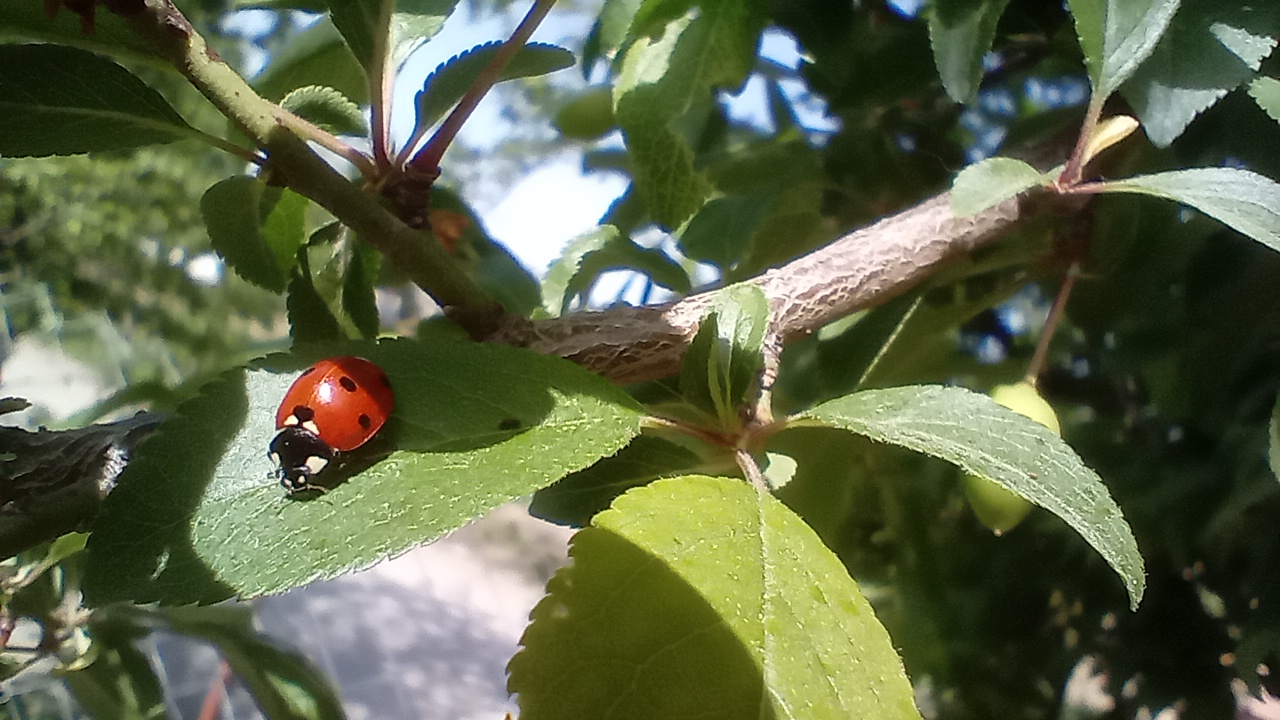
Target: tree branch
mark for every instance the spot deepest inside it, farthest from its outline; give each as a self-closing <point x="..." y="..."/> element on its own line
<point x="861" y="269"/>
<point x="417" y="254"/>
<point x="856" y="271"/>
<point x="54" y="482"/>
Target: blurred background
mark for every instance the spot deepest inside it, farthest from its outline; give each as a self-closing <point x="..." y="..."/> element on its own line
<point x="1164" y="373"/>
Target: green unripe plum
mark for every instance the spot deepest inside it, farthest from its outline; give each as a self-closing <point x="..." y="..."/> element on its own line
<point x="587" y="116"/>
<point x="998" y="508"/>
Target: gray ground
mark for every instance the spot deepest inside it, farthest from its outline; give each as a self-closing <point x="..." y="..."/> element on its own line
<point x="426" y="635"/>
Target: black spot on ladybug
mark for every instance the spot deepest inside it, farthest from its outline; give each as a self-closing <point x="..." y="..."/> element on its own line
<point x="347" y="383"/>
<point x="508" y="424"/>
<point x="308" y="371"/>
<point x="304" y="413"/>
<point x="365" y="421"/>
<point x="386" y="382"/>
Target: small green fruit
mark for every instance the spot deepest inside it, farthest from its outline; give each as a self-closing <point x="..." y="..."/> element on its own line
<point x="998" y="508"/>
<point x="588" y="116"/>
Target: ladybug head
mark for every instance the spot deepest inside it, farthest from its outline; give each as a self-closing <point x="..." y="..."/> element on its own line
<point x="298" y="454"/>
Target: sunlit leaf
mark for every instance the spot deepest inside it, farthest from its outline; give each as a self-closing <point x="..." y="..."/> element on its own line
<point x="1241" y="199"/>
<point x="1208" y="50"/>
<point x="1266" y="92"/>
<point x="1117" y="36"/>
<point x="661" y="77"/>
<point x="448" y="83"/>
<point x="327" y="109"/>
<point x="198" y="515"/>
<point x="256" y="228"/>
<point x="411" y="23"/>
<point x="762" y="620"/>
<point x="980" y="436"/>
<point x="991" y="182"/>
<point x="723" y="362"/>
<point x="961" y="32"/>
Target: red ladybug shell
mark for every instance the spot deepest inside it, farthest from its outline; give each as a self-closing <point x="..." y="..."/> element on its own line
<point x="343" y="400"/>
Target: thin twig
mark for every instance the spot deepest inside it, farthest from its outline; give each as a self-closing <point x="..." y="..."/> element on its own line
<point x="231" y="148"/>
<point x="328" y="141"/>
<point x="429" y="158"/>
<point x="418" y="255"/>
<point x="1073" y="171"/>
<point x="1051" y="323"/>
<point x="751" y="470"/>
<point x="381" y="82"/>
<point x="216" y="694"/>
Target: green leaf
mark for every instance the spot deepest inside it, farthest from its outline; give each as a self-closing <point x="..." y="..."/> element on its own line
<point x="984" y="438"/>
<point x="1245" y="201"/>
<point x="311" y="6"/>
<point x="311" y="318"/>
<point x="120" y="682"/>
<point x="198" y="516"/>
<point x="326" y="108"/>
<point x="607" y="34"/>
<point x="961" y="32"/>
<point x="283" y="684"/>
<point x="722" y="230"/>
<point x="358" y="299"/>
<point x="1208" y="50"/>
<point x="342" y="272"/>
<point x="723" y="362"/>
<point x="699" y="597"/>
<point x="990" y="182"/>
<point x="412" y="23"/>
<point x="600" y="250"/>
<point x="662" y="77"/>
<point x="1116" y="36"/>
<point x="556" y="292"/>
<point x="315" y="56"/>
<point x="778" y="470"/>
<point x="57" y="100"/>
<point x="1266" y="92"/>
<point x="445" y="86"/>
<point x="256" y="228"/>
<point x="357" y="20"/>
<point x="577" y="498"/>
<point x="26" y="20"/>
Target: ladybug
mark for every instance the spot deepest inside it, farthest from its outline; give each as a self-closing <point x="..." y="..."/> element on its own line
<point x="335" y="406"/>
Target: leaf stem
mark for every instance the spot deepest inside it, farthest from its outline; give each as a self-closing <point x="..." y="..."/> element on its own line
<point x="417" y="254"/>
<point x="429" y="158"/>
<point x="1073" y="172"/>
<point x="1051" y="324"/>
<point x="381" y="81"/>
<point x="213" y="698"/>
<point x="751" y="470"/>
<point x="328" y="141"/>
<point x="229" y="147"/>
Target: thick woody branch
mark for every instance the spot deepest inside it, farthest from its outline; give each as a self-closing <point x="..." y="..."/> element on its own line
<point x="52" y="483"/>
<point x="859" y="270"/>
<point x="856" y="271"/>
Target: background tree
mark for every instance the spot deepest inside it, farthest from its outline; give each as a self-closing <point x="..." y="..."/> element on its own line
<point x="1157" y="351"/>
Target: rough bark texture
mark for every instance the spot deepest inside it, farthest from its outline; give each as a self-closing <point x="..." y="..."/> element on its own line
<point x="861" y="269"/>
<point x="52" y="483"/>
